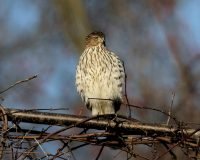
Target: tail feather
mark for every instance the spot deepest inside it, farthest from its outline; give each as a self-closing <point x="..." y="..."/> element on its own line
<point x="101" y="107"/>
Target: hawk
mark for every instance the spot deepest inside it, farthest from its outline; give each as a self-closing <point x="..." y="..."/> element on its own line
<point x="100" y="76"/>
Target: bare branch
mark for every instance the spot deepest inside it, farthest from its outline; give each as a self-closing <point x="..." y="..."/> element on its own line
<point x="170" y="109"/>
<point x="128" y="127"/>
<point x="18" y="82"/>
<point x="119" y="132"/>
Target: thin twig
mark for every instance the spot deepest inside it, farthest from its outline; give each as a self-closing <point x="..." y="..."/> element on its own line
<point x="154" y="109"/>
<point x="46" y="109"/>
<point x="126" y="95"/>
<point x="18" y="82"/>
<point x="168" y="150"/>
<point x="174" y="157"/>
<point x="59" y="131"/>
<point x="41" y="148"/>
<point x="170" y="109"/>
<point x="141" y="107"/>
<point x="99" y="154"/>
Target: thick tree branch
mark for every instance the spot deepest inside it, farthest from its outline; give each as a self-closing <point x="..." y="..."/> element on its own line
<point x="118" y="132"/>
<point x="127" y="126"/>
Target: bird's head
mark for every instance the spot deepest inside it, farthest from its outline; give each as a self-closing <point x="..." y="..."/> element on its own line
<point x="95" y="39"/>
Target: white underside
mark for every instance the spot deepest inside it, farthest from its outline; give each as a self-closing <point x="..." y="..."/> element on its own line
<point x="98" y="81"/>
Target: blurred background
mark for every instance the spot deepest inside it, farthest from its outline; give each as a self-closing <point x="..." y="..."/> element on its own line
<point x="159" y="42"/>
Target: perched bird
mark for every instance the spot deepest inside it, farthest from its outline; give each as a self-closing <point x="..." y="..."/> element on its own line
<point x="100" y="76"/>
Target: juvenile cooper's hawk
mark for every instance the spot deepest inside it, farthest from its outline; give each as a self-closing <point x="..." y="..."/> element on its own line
<point x="100" y="76"/>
